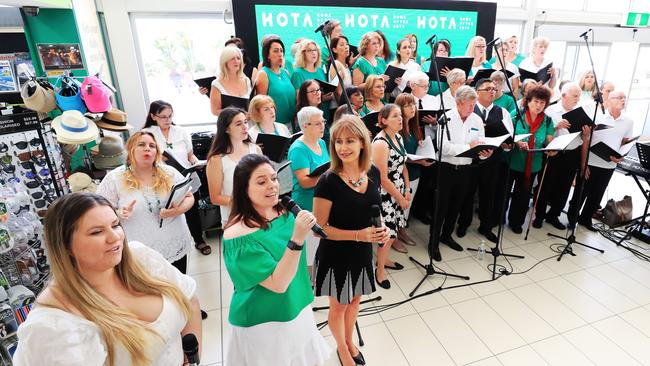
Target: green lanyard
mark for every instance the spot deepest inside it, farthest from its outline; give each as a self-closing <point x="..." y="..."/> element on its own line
<point x="401" y="150"/>
<point x="275" y="129"/>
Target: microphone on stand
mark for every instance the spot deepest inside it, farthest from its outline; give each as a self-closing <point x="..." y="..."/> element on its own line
<point x="430" y="39"/>
<point x="292" y="206"/>
<point x="375" y="219"/>
<point x="585" y="33"/>
<point x="191" y="349"/>
<point x="492" y="42"/>
<point x="320" y="27"/>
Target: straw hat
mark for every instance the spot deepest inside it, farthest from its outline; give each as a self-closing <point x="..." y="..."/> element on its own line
<point x="114" y="120"/>
<point x="72" y="127"/>
<point x="81" y="182"/>
<point x="40" y="100"/>
<point x="110" y="153"/>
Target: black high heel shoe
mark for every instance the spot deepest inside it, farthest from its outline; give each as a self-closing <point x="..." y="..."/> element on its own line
<point x="358" y="359"/>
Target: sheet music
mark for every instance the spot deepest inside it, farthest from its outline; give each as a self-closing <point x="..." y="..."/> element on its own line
<point x="426" y="149"/>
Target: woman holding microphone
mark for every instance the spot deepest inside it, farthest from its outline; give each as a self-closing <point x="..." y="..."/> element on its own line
<point x="270" y="314"/>
<point x="343" y="199"/>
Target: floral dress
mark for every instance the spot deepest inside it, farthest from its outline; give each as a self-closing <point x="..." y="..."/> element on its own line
<point x="391" y="211"/>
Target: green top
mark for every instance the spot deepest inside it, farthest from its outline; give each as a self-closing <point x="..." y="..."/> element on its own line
<point x="411" y="146"/>
<point x="515" y="62"/>
<point x="301" y="157"/>
<point x="506" y="101"/>
<point x="251" y="259"/>
<point x="283" y="94"/>
<point x="367" y="69"/>
<point x="300" y="75"/>
<point x="433" y="84"/>
<point x="365" y="110"/>
<point x="518" y="160"/>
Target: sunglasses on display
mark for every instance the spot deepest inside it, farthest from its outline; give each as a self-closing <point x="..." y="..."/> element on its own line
<point x="4" y="147"/>
<point x="22" y="145"/>
<point x="31" y="184"/>
<point x="30" y="155"/>
<point x="48" y="195"/>
<point x="40" y="203"/>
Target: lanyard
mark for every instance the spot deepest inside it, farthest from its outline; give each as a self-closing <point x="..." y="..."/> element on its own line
<point x="275" y="129"/>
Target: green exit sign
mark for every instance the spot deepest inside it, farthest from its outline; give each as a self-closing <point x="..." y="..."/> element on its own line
<point x="637" y="20"/>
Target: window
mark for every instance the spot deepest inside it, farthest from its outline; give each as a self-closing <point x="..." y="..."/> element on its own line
<point x="173" y="50"/>
<point x="576" y="61"/>
<point x="638" y="105"/>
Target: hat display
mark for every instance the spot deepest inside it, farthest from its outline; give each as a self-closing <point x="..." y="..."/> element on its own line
<point x="72" y="127"/>
<point x="95" y="94"/>
<point x="81" y="182"/>
<point x="114" y="120"/>
<point x="110" y="153"/>
<point x="40" y="99"/>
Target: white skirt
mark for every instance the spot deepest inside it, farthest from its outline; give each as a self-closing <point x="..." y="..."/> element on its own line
<point x="294" y="343"/>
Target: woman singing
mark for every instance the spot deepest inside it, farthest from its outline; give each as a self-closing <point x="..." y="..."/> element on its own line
<point x="109" y="301"/>
<point x="342" y="201"/>
<point x="270" y="314"/>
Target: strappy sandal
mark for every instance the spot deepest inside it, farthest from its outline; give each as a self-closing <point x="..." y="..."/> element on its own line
<point x="204" y="248"/>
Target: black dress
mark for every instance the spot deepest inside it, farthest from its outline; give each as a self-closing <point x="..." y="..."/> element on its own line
<point x="344" y="269"/>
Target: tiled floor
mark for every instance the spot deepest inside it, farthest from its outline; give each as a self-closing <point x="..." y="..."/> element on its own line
<point x="591" y="309"/>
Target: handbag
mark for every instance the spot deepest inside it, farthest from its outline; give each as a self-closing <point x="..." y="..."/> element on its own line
<point x="617" y="212"/>
<point x="68" y="96"/>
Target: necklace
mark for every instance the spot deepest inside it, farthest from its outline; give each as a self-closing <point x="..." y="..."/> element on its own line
<point x="355" y="183"/>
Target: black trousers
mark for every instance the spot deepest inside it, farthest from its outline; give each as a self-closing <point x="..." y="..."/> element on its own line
<point x="483" y="178"/>
<point x="453" y="185"/>
<point x="181" y="264"/>
<point x="594" y="190"/>
<point x="501" y="193"/>
<point x="520" y="198"/>
<point x="194" y="221"/>
<point x="425" y="193"/>
<point x="560" y="171"/>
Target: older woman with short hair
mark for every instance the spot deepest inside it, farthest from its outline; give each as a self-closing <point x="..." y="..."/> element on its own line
<point x="537" y="60"/>
<point x="261" y="114"/>
<point x="455" y="78"/>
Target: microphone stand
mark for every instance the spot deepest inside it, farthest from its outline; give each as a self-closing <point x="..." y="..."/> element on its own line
<point x="497" y="251"/>
<point x="323" y="33"/>
<point x="571" y="233"/>
<point x="429" y="268"/>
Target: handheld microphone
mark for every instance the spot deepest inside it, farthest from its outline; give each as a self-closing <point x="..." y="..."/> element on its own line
<point x="320" y="27"/>
<point x="492" y="42"/>
<point x="291" y="205"/>
<point x="191" y="349"/>
<point x="375" y="219"/>
<point x="585" y="33"/>
<point x="430" y="39"/>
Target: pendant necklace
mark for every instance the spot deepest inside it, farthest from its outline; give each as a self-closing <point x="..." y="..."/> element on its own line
<point x="355" y="183"/>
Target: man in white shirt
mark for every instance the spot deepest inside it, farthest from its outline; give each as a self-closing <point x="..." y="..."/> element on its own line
<point x="464" y="131"/>
<point x="562" y="168"/>
<point x="599" y="171"/>
<point x="484" y="177"/>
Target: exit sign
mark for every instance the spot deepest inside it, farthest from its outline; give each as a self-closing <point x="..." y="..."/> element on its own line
<point x="636" y="20"/>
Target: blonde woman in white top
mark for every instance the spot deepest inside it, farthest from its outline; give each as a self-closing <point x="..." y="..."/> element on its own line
<point x="231" y="80"/>
<point x="229" y="145"/>
<point x="536" y="61"/>
<point x="261" y="118"/>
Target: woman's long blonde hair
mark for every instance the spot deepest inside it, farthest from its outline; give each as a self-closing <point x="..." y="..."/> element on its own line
<point x="162" y="182"/>
<point x="116" y="325"/>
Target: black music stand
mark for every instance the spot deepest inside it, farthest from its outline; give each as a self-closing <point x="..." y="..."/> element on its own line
<point x="636" y="226"/>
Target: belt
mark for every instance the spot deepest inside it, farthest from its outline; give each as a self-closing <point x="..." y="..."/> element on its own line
<point x="456" y="167"/>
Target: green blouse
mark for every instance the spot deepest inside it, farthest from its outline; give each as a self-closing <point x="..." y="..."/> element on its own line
<point x="367" y="69"/>
<point x="283" y="94"/>
<point x="300" y="75"/>
<point x="518" y="160"/>
<point x="433" y="84"/>
<point x="506" y="101"/>
<point x="251" y="259"/>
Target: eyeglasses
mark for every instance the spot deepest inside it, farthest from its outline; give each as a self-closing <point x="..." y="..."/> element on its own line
<point x="480" y="46"/>
<point x="315" y="91"/>
<point x="32" y="156"/>
<point x="317" y="124"/>
<point x="165" y="118"/>
<point x="422" y="85"/>
<point x="487" y="89"/>
<point x="381" y="86"/>
<point x="311" y="51"/>
<point x="4" y="147"/>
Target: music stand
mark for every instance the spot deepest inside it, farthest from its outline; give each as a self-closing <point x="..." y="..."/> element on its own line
<point x="636" y="226"/>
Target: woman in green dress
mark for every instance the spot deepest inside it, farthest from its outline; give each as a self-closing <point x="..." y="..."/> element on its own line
<point x="270" y="312"/>
<point x="274" y="81"/>
<point x="368" y="62"/>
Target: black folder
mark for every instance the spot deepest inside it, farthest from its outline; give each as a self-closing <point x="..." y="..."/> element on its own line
<point x="319" y="170"/>
<point x="205" y="83"/>
<point x="354" y="50"/>
<point x="370" y="120"/>
<point x="230" y="101"/>
<point x="429" y="112"/>
<point x="604" y="151"/>
<point x="393" y="73"/>
<point x="273" y="146"/>
<point x="542" y="75"/>
<point x="578" y="118"/>
<point x="463" y="63"/>
<point x="490" y="143"/>
<point x="486" y="73"/>
<point x="327" y="87"/>
<point x="497" y="129"/>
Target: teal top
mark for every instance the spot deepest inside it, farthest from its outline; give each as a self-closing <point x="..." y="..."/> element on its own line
<point x="300" y="75"/>
<point x="302" y="157"/>
<point x="411" y="146"/>
<point x="367" y="69"/>
<point x="515" y="62"/>
<point x="484" y="65"/>
<point x="433" y="84"/>
<point x="251" y="259"/>
<point x="288" y="64"/>
<point x="506" y="101"/>
<point x="518" y="160"/>
<point x="365" y="110"/>
<point x="283" y="94"/>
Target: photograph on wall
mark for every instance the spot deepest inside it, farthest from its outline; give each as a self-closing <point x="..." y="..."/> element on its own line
<point x="7" y="79"/>
<point x="60" y="56"/>
<point x="24" y="67"/>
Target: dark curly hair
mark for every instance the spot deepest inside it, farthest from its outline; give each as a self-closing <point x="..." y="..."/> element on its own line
<point x="540" y="92"/>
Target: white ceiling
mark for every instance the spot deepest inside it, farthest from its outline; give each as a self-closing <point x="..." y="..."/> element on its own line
<point x="41" y="4"/>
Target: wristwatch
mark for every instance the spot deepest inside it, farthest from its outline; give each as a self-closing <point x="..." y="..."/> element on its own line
<point x="294" y="246"/>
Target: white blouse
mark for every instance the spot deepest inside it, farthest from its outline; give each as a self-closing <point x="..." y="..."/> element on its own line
<point x="173" y="240"/>
<point x="178" y="142"/>
<point x="55" y="337"/>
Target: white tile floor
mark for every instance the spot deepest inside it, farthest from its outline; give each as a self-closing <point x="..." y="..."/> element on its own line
<point x="591" y="309"/>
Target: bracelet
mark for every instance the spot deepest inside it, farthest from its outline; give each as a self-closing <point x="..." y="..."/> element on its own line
<point x="356" y="235"/>
<point x="292" y="245"/>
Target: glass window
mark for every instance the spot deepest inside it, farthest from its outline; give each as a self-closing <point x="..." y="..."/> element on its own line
<point x="555" y="53"/>
<point x="173" y="51"/>
<point x="641" y="81"/>
<point x="506" y="30"/>
<point x="577" y="62"/>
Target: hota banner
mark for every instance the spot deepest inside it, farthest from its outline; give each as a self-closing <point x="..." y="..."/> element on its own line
<point x="293" y="22"/>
